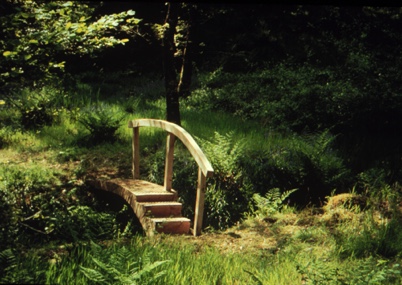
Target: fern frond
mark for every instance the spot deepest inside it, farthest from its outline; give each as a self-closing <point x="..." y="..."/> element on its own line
<point x="286" y="194"/>
<point x="149" y="268"/>
<point x="94" y="275"/>
<point x="116" y="266"/>
<point x="7" y="258"/>
<point x="272" y="202"/>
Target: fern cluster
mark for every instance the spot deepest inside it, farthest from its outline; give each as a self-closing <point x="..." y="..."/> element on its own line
<point x="229" y="191"/>
<point x="368" y="272"/>
<point x="271" y="203"/>
<point x="102" y="121"/>
<point x="12" y="273"/>
<point x="122" y="267"/>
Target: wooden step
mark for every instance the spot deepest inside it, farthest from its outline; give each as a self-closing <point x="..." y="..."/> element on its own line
<point x="156" y="208"/>
<point x="162" y="209"/>
<point x="139" y="190"/>
<point x="155" y="197"/>
<point x="177" y="225"/>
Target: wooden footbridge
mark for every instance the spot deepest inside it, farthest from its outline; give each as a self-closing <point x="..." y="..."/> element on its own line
<point x="156" y="205"/>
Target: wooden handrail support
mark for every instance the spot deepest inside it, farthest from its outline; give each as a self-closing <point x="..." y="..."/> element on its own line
<point x="205" y="169"/>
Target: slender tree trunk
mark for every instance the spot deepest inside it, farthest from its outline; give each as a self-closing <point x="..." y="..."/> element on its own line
<point x="187" y="54"/>
<point x="169" y="50"/>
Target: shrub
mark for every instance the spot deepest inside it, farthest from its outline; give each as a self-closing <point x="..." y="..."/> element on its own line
<point x="37" y="107"/>
<point x="271" y="203"/>
<point x="23" y="199"/>
<point x="102" y="121"/>
<point x="284" y="97"/>
<point x="308" y="163"/>
<point x="229" y="192"/>
<point x="130" y="104"/>
<point x="5" y="134"/>
<point x="36" y="207"/>
<point x="11" y="271"/>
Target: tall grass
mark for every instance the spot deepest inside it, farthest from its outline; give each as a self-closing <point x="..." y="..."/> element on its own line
<point x="165" y="262"/>
<point x="187" y="264"/>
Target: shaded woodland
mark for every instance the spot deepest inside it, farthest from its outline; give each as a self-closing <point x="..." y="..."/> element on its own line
<point x="298" y="108"/>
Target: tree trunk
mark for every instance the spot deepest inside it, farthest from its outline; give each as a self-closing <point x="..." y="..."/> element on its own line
<point x="187" y="61"/>
<point x="169" y="49"/>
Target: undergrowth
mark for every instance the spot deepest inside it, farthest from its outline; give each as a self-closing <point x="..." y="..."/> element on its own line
<point x="46" y="206"/>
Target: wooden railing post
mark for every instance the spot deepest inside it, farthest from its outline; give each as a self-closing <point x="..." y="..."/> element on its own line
<point x="170" y="140"/>
<point x="199" y="203"/>
<point x="136" y="153"/>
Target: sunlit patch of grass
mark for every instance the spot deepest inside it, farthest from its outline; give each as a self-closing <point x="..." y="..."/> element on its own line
<point x="26" y="141"/>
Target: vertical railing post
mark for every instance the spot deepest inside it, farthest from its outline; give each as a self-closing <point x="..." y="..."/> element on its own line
<point x="136" y="153"/>
<point x="170" y="140"/>
<point x="199" y="203"/>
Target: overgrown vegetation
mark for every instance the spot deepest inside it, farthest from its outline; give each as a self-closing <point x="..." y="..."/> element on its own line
<point x="44" y="199"/>
<point x="303" y="141"/>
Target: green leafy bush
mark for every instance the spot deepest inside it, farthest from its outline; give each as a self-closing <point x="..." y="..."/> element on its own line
<point x="284" y="97"/>
<point x="308" y="98"/>
<point x="36" y="207"/>
<point x="23" y="200"/>
<point x="130" y="104"/>
<point x="229" y="191"/>
<point x="12" y="273"/>
<point x="102" y="121"/>
<point x="37" y="107"/>
<point x="5" y="134"/>
<point x="271" y="203"/>
<point x="308" y="163"/>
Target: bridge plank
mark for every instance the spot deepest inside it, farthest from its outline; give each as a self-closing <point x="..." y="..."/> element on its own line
<point x="134" y="189"/>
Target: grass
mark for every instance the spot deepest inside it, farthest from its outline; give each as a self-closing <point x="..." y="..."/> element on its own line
<point x="251" y="253"/>
<point x="336" y="244"/>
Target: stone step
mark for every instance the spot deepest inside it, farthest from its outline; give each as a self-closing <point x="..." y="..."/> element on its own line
<point x="177" y="225"/>
<point x="161" y="209"/>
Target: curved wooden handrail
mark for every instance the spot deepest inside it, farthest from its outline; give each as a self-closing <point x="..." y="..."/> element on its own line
<point x="204" y="166"/>
<point x="183" y="135"/>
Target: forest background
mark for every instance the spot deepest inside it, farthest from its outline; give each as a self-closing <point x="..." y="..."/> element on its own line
<point x="291" y="103"/>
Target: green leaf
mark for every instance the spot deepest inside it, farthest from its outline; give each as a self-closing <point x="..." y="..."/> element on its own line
<point x="27" y="56"/>
<point x="130" y="12"/>
<point x="33" y="41"/>
<point x="124" y="40"/>
<point x="8" y="53"/>
<point x="25" y="15"/>
<point x="68" y="4"/>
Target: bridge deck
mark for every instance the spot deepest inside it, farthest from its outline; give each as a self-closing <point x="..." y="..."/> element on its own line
<point x="140" y="190"/>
